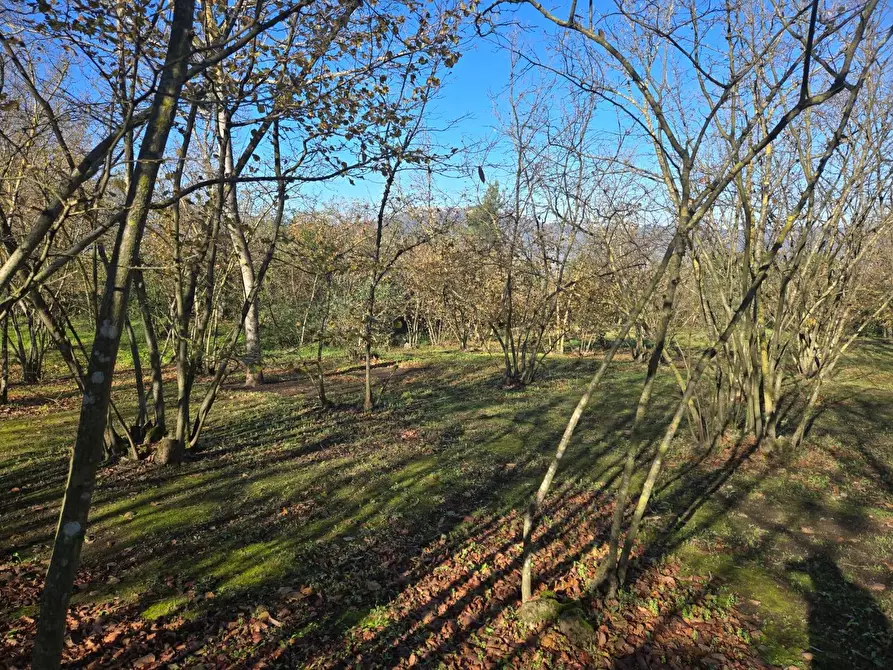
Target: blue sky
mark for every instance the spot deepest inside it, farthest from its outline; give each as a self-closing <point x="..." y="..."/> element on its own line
<point x="470" y="94"/>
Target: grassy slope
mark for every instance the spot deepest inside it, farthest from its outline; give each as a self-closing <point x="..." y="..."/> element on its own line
<point x="276" y="484"/>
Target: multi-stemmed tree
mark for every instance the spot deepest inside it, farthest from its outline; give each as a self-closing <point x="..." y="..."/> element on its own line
<point x="296" y="87"/>
<point x="757" y="69"/>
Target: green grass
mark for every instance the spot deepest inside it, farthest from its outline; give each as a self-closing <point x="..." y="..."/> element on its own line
<point x="805" y="539"/>
<point x="281" y="493"/>
<point x="166" y="607"/>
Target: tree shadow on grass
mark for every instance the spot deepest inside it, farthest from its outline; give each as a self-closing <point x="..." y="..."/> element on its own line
<point x="847" y="628"/>
<point x="719" y="504"/>
<point x="690" y="494"/>
<point x="403" y="522"/>
<point x="282" y="496"/>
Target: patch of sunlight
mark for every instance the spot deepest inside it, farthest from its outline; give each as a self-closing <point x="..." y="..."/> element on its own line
<point x="285" y="482"/>
<point x="350" y="618"/>
<point x="116" y="508"/>
<point x="783" y="611"/>
<point x="168" y="518"/>
<point x="416" y="488"/>
<point x="164" y="509"/>
<point x="800" y="581"/>
<point x="128" y="591"/>
<point x="16" y="435"/>
<point x="882" y="542"/>
<point x="250" y="566"/>
<point x="165" y="607"/>
<point x="304" y="631"/>
<point x="509" y="444"/>
<point x="878" y="512"/>
<point x="19" y="612"/>
<point x="376" y="618"/>
<point x="414" y="473"/>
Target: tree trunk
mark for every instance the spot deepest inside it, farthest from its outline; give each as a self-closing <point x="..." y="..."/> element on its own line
<point x="307" y="310"/>
<point x="4" y="360"/>
<point x="609" y="571"/>
<point x="562" y="326"/>
<point x="160" y="427"/>
<point x="138" y="430"/>
<point x="531" y="515"/>
<point x="375" y="278"/>
<point x="368" y="401"/>
<point x="87" y="452"/>
<point x="320" y="371"/>
<point x="228" y="347"/>
<point x="254" y="374"/>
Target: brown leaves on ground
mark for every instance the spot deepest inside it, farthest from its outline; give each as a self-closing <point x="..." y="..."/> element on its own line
<point x="451" y="602"/>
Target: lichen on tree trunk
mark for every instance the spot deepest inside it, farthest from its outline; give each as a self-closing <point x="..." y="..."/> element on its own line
<point x="87" y="453"/>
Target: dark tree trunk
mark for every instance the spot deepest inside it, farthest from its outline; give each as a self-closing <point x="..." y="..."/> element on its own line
<point x="138" y="429"/>
<point x="4" y="361"/>
<point x="87" y="451"/>
<point x="160" y="427"/>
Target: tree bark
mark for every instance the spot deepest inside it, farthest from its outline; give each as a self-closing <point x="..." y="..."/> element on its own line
<point x="368" y="400"/>
<point x="137" y="431"/>
<point x="532" y="513"/>
<point x="320" y="371"/>
<point x="609" y="571"/>
<point x="4" y="360"/>
<point x="254" y="374"/>
<point x="160" y="427"/>
<point x="375" y="278"/>
<point x="87" y="452"/>
<point x="227" y="349"/>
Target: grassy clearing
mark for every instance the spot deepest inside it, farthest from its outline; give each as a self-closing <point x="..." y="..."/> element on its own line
<point x="807" y="538"/>
<point x="281" y="495"/>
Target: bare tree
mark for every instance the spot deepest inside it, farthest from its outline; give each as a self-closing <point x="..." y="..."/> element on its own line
<point x="645" y="61"/>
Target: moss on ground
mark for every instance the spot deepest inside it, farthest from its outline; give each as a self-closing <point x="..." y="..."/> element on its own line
<point x="275" y="481"/>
